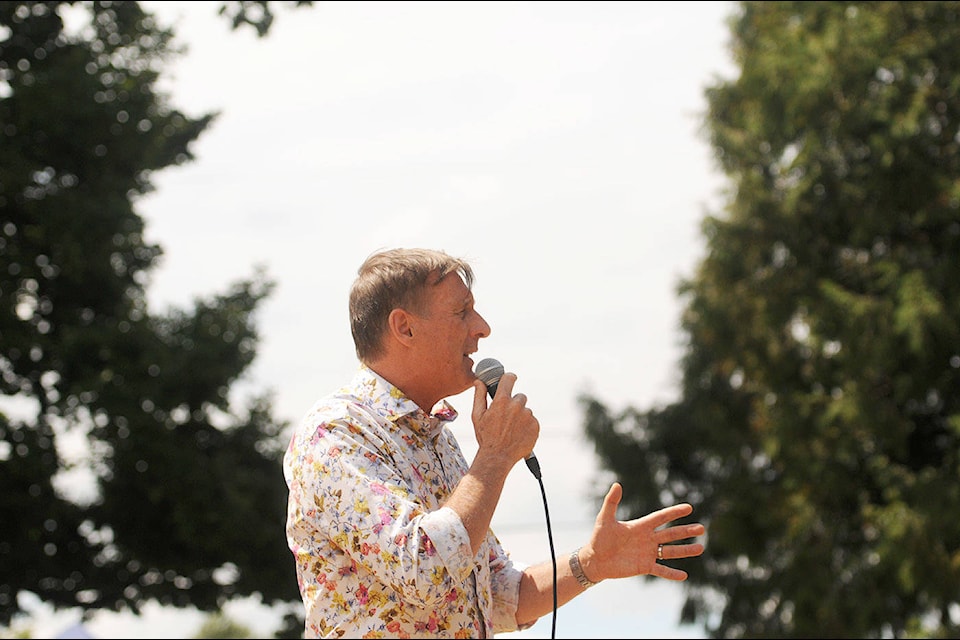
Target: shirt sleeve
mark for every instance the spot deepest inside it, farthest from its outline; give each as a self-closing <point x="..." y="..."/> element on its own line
<point x="505" y="578"/>
<point x="370" y="512"/>
<point x="451" y="541"/>
<point x="504" y="573"/>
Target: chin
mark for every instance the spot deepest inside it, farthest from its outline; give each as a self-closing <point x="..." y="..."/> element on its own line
<point x="465" y="383"/>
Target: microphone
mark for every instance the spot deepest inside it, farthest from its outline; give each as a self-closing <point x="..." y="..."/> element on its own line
<point x="489" y="371"/>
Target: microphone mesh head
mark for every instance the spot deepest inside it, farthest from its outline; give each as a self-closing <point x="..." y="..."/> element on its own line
<point x="488" y="371"/>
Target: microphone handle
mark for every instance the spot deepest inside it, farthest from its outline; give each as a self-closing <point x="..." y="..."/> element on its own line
<point x="531" y="460"/>
<point x="533" y="464"/>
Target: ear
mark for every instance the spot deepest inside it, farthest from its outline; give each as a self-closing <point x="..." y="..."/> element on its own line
<point x="400" y="324"/>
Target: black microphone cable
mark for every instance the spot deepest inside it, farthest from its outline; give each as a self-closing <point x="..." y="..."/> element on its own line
<point x="553" y="555"/>
<point x="489" y="371"/>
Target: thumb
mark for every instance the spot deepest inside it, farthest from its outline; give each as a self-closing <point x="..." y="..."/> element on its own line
<point x="608" y="512"/>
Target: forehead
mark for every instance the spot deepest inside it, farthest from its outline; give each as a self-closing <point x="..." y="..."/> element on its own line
<point x="450" y="290"/>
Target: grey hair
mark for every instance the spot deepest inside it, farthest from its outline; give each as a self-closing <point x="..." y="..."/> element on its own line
<point x="395" y="279"/>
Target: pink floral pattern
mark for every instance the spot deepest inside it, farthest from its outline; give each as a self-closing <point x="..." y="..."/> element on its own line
<point x="377" y="554"/>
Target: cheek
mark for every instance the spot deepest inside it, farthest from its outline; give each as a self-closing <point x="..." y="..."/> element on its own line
<point x="446" y="339"/>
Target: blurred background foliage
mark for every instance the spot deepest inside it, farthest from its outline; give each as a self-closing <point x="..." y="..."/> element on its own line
<point x="818" y="422"/>
<point x="117" y="432"/>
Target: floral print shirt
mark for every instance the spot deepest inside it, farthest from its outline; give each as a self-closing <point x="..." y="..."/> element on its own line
<point x="377" y="554"/>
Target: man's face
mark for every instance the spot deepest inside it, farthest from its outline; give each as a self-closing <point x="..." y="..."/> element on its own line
<point x="447" y="333"/>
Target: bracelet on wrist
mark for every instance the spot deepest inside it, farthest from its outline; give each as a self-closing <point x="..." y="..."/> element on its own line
<point x="577" y="570"/>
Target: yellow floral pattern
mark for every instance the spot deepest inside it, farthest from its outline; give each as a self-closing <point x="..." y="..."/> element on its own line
<point x="376" y="552"/>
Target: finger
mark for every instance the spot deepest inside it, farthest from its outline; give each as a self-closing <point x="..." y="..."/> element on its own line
<point x="674" y="551"/>
<point x="521" y="398"/>
<point x="505" y="386"/>
<point x="608" y="512"/>
<point x="479" y="397"/>
<point x="663" y="516"/>
<point x="669" y="573"/>
<point x="679" y="532"/>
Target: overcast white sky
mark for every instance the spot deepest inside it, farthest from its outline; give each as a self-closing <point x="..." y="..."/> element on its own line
<point x="556" y="144"/>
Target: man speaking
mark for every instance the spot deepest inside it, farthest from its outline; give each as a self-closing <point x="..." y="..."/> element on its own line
<point x="389" y="524"/>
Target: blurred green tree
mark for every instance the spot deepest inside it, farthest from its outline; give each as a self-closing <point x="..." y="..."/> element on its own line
<point x="817" y="429"/>
<point x="219" y="625"/>
<point x="127" y="473"/>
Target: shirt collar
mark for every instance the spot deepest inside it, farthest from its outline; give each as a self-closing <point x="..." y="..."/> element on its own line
<point x="390" y="402"/>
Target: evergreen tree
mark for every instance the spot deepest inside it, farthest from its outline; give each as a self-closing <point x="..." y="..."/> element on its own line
<point x="126" y="472"/>
<point x="817" y="429"/>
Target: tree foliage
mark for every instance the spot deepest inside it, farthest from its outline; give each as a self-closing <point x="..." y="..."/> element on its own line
<point x="219" y="625"/>
<point x="127" y="472"/>
<point x="817" y="429"/>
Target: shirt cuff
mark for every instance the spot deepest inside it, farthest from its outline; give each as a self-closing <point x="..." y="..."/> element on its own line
<point x="450" y="539"/>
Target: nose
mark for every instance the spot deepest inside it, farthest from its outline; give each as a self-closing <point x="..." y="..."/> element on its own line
<point x="482" y="329"/>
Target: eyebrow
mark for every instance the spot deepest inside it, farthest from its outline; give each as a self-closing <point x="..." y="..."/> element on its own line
<point x="467" y="301"/>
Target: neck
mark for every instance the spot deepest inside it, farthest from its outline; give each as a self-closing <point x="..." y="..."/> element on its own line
<point x="399" y="376"/>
